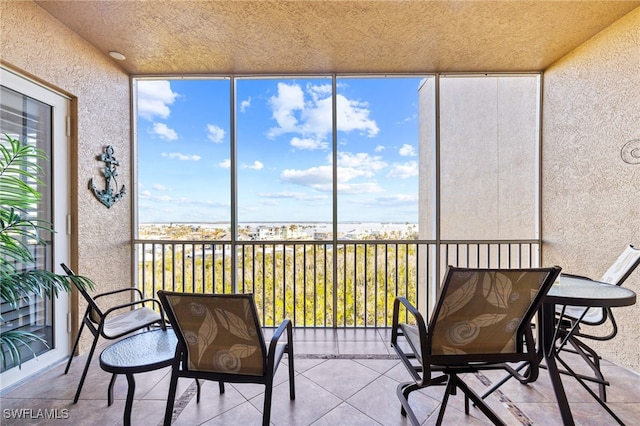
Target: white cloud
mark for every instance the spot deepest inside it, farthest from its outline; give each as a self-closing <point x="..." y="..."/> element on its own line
<point x="404" y="170"/>
<point x="181" y="201"/>
<point x="159" y="187"/>
<point x="289" y="99"/>
<point x="308" y="143"/>
<point x="320" y="178"/>
<point x="180" y="156"/>
<point x="245" y="104"/>
<point x="407" y="119"/>
<point x="314" y="177"/>
<point x="390" y="200"/>
<point x="215" y="133"/>
<point x="362" y="161"/>
<point x="319" y="90"/>
<point x="144" y="194"/>
<point x="301" y="196"/>
<point x="308" y="112"/>
<point x="393" y="200"/>
<point x="354" y="115"/>
<point x="379" y="148"/>
<point x="225" y="164"/>
<point x="154" y="99"/>
<point x="164" y="132"/>
<point x="359" y="188"/>
<point x="407" y="151"/>
<point x="257" y="165"/>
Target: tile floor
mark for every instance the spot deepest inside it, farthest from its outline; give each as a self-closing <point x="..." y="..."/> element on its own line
<point x="343" y="377"/>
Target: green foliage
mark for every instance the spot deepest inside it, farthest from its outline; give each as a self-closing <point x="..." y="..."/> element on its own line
<point x="294" y="281"/>
<point x="19" y="234"/>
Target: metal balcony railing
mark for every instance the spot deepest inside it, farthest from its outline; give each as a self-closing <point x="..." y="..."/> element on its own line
<point x="319" y="283"/>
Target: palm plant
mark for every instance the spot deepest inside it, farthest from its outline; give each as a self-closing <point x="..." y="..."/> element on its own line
<point x="19" y="171"/>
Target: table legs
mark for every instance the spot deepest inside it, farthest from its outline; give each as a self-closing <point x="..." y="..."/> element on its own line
<point x="110" y="389"/>
<point x="547" y="330"/>
<point x="129" y="403"/>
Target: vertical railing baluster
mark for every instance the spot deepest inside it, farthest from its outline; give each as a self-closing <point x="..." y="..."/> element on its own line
<point x="375" y="281"/>
<point x="264" y="287"/>
<point x="304" y="284"/>
<point x="386" y="280"/>
<point x="294" y="284"/>
<point x="365" y="283"/>
<point x="360" y="305"/>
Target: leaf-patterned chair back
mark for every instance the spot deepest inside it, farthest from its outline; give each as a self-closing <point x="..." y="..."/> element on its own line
<point x="220" y="333"/>
<point x="481" y="311"/>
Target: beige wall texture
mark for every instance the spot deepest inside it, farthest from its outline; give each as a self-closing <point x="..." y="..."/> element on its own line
<point x="590" y="196"/>
<point x="35" y="43"/>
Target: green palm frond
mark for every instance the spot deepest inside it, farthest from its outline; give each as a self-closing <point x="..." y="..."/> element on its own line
<point x="19" y="235"/>
<point x="19" y="170"/>
<point x="11" y="342"/>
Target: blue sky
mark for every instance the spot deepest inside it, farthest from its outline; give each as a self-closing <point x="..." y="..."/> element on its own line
<point x="283" y="149"/>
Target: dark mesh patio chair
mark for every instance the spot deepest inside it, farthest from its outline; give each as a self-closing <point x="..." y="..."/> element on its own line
<point x="220" y="339"/>
<point x="112" y="322"/>
<point x="481" y="321"/>
<point x="572" y="317"/>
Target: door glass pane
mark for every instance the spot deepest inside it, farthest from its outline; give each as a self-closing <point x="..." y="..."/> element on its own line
<point x="29" y="121"/>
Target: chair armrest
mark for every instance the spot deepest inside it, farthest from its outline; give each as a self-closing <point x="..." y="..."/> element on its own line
<point x="137" y="302"/>
<point x="285" y="325"/>
<point x="611" y="335"/>
<point x="424" y="366"/>
<point x="121" y="290"/>
<point x="412" y="310"/>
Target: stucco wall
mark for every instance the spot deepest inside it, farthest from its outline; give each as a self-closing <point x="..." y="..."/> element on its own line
<point x="34" y="42"/>
<point x="590" y="196"/>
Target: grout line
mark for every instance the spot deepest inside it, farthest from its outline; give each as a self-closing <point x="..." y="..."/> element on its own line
<point x="513" y="408"/>
<point x="182" y="402"/>
<point x="345" y="356"/>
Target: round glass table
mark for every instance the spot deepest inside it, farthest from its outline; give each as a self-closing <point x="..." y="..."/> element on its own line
<point x="578" y="291"/>
<point x="575" y="291"/>
<point x="147" y="351"/>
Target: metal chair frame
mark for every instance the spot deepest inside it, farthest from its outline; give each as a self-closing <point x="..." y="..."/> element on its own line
<point x="94" y="319"/>
<point x="271" y="357"/>
<point x="417" y="355"/>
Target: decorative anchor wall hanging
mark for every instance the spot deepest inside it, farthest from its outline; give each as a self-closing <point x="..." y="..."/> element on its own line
<point x="108" y="196"/>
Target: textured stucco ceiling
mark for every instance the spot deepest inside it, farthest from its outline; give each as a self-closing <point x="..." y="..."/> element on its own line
<point x="271" y="37"/>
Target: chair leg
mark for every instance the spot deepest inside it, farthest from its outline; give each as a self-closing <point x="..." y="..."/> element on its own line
<point x="86" y="368"/>
<point x="75" y="347"/>
<point x="402" y="391"/>
<point x="168" y="412"/>
<point x="494" y="387"/>
<point x="292" y="384"/>
<point x="449" y="390"/>
<point x="221" y="385"/>
<point x="491" y="415"/>
<point x="592" y="359"/>
<point x="266" y="415"/>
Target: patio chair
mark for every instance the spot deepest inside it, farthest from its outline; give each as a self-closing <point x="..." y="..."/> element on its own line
<point x="112" y="322"/>
<point x="220" y="339"/>
<point x="572" y="317"/>
<point x="481" y="321"/>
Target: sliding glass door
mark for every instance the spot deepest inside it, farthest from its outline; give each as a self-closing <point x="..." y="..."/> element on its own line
<point x="38" y="116"/>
